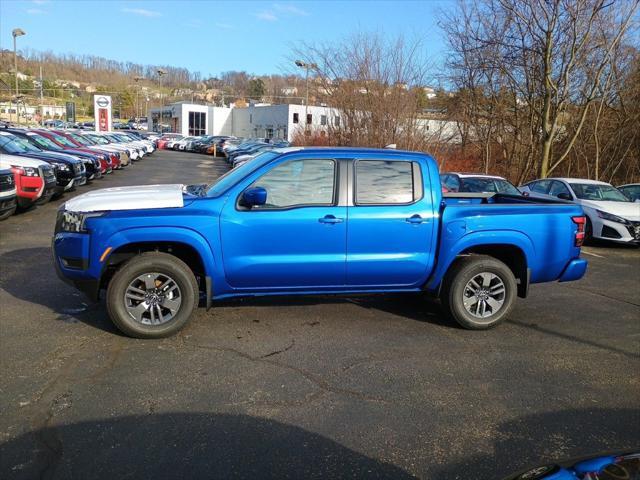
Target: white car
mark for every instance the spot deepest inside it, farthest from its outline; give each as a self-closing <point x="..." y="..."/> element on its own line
<point x="173" y="141"/>
<point x="610" y="215"/>
<point x="182" y="144"/>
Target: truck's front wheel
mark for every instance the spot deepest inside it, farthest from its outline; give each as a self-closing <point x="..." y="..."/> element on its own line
<point x="152" y="295"/>
<point x="479" y="291"/>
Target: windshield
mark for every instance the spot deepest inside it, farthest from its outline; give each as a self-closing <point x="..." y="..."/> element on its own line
<point x="98" y="139"/>
<point x="12" y="144"/>
<point x="598" y="192"/>
<point x="80" y="139"/>
<point x="230" y="178"/>
<point x="44" y="142"/>
<point x="64" y="141"/>
<point x="482" y="185"/>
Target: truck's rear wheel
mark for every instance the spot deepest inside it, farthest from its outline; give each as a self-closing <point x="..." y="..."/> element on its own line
<point x="152" y="295"/>
<point x="479" y="291"/>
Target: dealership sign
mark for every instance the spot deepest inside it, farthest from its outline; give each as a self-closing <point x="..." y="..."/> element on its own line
<point x="102" y="109"/>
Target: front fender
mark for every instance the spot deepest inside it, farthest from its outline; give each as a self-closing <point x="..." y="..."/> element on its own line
<point x="451" y="248"/>
<point x="166" y="234"/>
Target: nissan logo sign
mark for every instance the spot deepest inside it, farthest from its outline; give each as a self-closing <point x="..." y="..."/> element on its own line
<point x="102" y="102"/>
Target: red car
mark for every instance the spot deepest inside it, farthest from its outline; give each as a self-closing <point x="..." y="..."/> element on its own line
<point x="66" y="144"/>
<point x="35" y="180"/>
<point x="84" y="144"/>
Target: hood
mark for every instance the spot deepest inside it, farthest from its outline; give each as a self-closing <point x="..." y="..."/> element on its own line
<point x="7" y="161"/>
<point x="57" y="156"/>
<point x="628" y="210"/>
<point x="128" y="198"/>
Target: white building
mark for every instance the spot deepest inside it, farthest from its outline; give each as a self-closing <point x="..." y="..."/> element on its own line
<point x="269" y="121"/>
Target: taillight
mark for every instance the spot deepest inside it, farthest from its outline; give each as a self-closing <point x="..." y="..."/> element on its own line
<point x="580" y="222"/>
<point x="17" y="170"/>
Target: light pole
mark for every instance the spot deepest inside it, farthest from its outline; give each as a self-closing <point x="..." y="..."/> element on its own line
<point x="17" y="32"/>
<point x="137" y="79"/>
<point x="306" y="66"/>
<point x="161" y="72"/>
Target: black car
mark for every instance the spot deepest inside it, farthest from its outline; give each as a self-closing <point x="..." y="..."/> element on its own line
<point x="91" y="160"/>
<point x="70" y="171"/>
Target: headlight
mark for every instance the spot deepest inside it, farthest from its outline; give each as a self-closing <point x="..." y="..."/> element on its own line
<point x="30" y="171"/>
<point x="61" y="166"/>
<point x="74" y="221"/>
<point x="611" y="217"/>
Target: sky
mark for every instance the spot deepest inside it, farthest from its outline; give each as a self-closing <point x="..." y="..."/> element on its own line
<point x="210" y="36"/>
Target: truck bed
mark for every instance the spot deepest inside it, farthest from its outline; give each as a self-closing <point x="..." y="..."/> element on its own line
<point x="542" y="229"/>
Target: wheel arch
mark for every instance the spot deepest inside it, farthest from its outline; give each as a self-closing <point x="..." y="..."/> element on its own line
<point x="188" y="246"/>
<point x="514" y="249"/>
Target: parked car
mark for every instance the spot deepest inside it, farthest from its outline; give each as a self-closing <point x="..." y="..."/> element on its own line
<point x="610" y="215"/>
<point x="47" y="142"/>
<point x="309" y="221"/>
<point x="35" y="180"/>
<point x="631" y="191"/>
<point x="69" y="170"/>
<point x="477" y="182"/>
<point x="7" y="193"/>
<point x="109" y="159"/>
<point x="172" y="141"/>
<point x="182" y="143"/>
<point x="166" y="138"/>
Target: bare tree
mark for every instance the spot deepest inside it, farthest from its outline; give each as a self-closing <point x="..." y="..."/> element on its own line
<point x="533" y="74"/>
<point x="374" y="84"/>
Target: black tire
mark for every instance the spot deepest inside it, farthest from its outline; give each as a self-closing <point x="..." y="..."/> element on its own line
<point x="7" y="213"/>
<point x="144" y="263"/>
<point x="455" y="284"/>
<point x="588" y="231"/>
<point x="44" y="198"/>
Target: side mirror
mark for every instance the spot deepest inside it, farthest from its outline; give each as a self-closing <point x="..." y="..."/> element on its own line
<point x="254" y="196"/>
<point x="525" y="193"/>
<point x="564" y="196"/>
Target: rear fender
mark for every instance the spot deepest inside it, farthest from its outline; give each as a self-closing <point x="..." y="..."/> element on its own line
<point x="448" y="254"/>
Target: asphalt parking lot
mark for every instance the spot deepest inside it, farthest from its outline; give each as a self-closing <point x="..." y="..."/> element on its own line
<point x="367" y="387"/>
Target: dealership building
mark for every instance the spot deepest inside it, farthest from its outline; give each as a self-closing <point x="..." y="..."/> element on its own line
<point x="260" y="120"/>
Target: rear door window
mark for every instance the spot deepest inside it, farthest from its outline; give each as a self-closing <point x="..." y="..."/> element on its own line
<point x="379" y="182"/>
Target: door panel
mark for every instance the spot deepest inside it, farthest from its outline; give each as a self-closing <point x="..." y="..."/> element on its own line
<point x="297" y="240"/>
<point x="389" y="244"/>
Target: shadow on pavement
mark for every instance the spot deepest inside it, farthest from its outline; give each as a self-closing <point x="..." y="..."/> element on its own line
<point x="413" y="306"/>
<point x="28" y="274"/>
<point x="183" y="445"/>
<point x="547" y="438"/>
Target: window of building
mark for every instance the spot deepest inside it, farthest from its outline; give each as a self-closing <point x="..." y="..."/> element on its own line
<point x="197" y="123"/>
<point x="309" y="118"/>
<point x="268" y="133"/>
<point x="296" y="118"/>
<point x="323" y="119"/>
<point x="299" y="183"/>
<point x="385" y="182"/>
<point x="336" y="121"/>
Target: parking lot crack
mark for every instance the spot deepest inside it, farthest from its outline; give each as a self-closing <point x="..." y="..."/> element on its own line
<point x="316" y="380"/>
<point x="276" y="352"/>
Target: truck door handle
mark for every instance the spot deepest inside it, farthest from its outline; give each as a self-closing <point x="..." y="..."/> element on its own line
<point x="415" y="219"/>
<point x="330" y="219"/>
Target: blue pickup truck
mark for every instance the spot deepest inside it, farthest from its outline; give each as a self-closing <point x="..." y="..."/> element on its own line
<point x="312" y="221"/>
